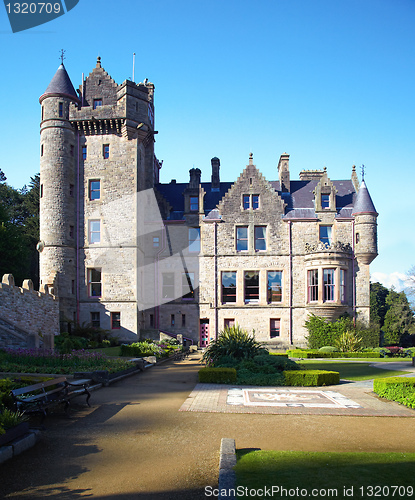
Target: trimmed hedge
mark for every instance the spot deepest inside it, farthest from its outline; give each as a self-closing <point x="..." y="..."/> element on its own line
<point x="217" y="375"/>
<point x="311" y="378"/>
<point x="297" y="353"/>
<point x="283" y="355"/>
<point x="400" y="389"/>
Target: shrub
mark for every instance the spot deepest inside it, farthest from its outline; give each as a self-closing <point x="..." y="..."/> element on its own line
<point x="66" y="343"/>
<point x="281" y="354"/>
<point x="328" y="348"/>
<point x="311" y="378"/>
<point x="10" y="418"/>
<point x="245" y="377"/>
<point x="217" y="375"/>
<point x="279" y="363"/>
<point x="234" y="342"/>
<point x="400" y="389"/>
<point x="348" y="341"/>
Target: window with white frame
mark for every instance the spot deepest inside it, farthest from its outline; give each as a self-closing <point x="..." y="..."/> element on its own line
<point x="325" y="234"/>
<point x="328" y="285"/>
<point x="94" y="231"/>
<point x="274" y="327"/>
<point x="242" y="238"/>
<point x="228" y="287"/>
<point x="188" y="286"/>
<point x="194" y="239"/>
<point x="168" y="285"/>
<point x="94" y="282"/>
<point x="343" y="296"/>
<point x="260" y="234"/>
<point x="312" y="278"/>
<point x="251" y="286"/>
<point x="274" y="286"/>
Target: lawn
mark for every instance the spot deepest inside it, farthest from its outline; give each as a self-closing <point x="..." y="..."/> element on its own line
<point x="108" y="351"/>
<point x="350" y="370"/>
<point x="326" y="471"/>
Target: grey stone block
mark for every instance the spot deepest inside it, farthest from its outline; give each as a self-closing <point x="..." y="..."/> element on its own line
<point x="6" y="452"/>
<point x="24" y="443"/>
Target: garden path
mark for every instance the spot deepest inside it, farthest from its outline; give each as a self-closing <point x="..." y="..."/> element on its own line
<point x="135" y="444"/>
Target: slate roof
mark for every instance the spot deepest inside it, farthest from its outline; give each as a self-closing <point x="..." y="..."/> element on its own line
<point x="300" y="201"/>
<point x="61" y="84"/>
<point x="364" y="203"/>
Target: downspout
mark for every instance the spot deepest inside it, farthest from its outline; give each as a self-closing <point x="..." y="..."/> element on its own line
<point x="215" y="264"/>
<point x="354" y="277"/>
<point x="290" y="287"/>
<point x="78" y="231"/>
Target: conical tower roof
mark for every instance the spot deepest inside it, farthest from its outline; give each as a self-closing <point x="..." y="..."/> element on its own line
<point x="60" y="85"/>
<point x="363" y="203"/>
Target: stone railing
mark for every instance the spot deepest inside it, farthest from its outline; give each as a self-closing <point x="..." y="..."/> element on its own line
<point x="337" y="246"/>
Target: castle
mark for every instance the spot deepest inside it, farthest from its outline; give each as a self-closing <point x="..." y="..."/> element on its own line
<point x="134" y="256"/>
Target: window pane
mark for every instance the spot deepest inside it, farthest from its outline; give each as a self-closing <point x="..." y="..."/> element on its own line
<point x="325" y="235"/>
<point x="94" y="282"/>
<point x="274" y="327"/>
<point x="328" y="291"/>
<point x="229" y="323"/>
<point x="274" y="286"/>
<point x="228" y="286"/>
<point x="342" y="285"/>
<point x="194" y="204"/>
<point x="95" y="319"/>
<point x="241" y="238"/>
<point x="325" y="201"/>
<point x="188" y="291"/>
<point x="94" y="231"/>
<point x="246" y="201"/>
<point x="94" y="190"/>
<point x="194" y="239"/>
<point x="97" y="103"/>
<point x="255" y="201"/>
<point x="168" y="286"/>
<point x="115" y="320"/>
<point x="260" y="238"/>
<point x="251" y="286"/>
<point x="313" y="285"/>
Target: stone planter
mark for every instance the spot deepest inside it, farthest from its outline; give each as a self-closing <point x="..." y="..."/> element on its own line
<point x="14" y="433"/>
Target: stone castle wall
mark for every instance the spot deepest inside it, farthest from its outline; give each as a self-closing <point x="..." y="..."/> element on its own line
<point x="27" y="314"/>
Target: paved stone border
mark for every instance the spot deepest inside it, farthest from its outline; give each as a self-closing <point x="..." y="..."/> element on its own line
<point x="212" y="398"/>
<point x="227" y="462"/>
<point x="19" y="445"/>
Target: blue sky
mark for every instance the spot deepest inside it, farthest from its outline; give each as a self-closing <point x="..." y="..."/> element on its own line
<point x="331" y="82"/>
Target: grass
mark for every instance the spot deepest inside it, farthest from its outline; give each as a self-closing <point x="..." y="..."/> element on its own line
<point x="351" y="370"/>
<point x="108" y="351"/>
<point x="327" y="470"/>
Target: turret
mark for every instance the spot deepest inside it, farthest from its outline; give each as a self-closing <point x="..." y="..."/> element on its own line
<point x="364" y="212"/>
<point x="58" y="179"/>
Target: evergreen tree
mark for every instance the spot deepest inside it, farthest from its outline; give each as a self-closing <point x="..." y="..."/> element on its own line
<point x="399" y="318"/>
<point x="378" y="306"/>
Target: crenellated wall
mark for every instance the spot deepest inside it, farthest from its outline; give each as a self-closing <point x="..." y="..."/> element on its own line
<point x="28" y="318"/>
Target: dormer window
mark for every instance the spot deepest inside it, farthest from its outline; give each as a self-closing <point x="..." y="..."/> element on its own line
<point x="325" y="201"/>
<point x="194" y="203"/>
<point x="97" y="103"/>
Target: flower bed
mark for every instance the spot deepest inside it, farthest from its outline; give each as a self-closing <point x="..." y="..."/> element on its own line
<point x="46" y="361"/>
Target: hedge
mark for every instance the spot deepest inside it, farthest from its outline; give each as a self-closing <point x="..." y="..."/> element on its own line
<point x="297" y="353"/>
<point x="217" y="375"/>
<point x="283" y="355"/>
<point x="400" y="389"/>
<point x="311" y="378"/>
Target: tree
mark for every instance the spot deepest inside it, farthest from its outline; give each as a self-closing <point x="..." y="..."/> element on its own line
<point x="399" y="318"/>
<point x="378" y="306"/>
<point x="19" y="230"/>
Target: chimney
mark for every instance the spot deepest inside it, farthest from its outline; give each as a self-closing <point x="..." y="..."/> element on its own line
<point x="194" y="178"/>
<point x="284" y="173"/>
<point x="215" y="186"/>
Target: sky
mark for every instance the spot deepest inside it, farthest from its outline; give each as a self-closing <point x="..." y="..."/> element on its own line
<point x="330" y="82"/>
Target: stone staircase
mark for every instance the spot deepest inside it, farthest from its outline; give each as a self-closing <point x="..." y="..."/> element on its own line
<point x="13" y="337"/>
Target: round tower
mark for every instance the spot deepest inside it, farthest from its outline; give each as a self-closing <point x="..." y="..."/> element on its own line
<point x="58" y="193"/>
<point x="366" y="240"/>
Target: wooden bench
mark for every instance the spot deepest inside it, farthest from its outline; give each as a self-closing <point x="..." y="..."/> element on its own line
<point x="39" y="398"/>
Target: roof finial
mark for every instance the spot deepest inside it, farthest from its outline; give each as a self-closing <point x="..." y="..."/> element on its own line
<point x="98" y="61"/>
<point x="62" y="56"/>
<point x="363" y="172"/>
<point x="251" y="158"/>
